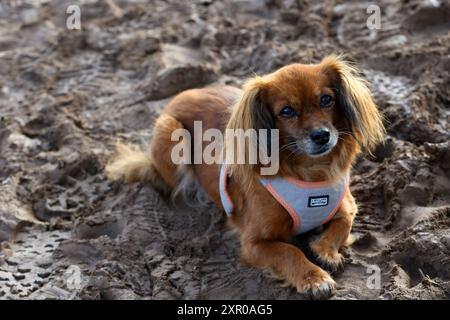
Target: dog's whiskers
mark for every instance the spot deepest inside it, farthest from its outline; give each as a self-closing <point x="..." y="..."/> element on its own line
<point x="296" y="150"/>
<point x="288" y="146"/>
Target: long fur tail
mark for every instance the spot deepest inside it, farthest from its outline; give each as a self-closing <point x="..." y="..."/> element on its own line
<point x="131" y="164"/>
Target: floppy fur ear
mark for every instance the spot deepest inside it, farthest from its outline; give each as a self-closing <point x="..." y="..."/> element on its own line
<point x="250" y="112"/>
<point x="356" y="102"/>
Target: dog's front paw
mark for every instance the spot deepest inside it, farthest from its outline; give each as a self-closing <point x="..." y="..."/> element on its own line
<point x="329" y="258"/>
<point x="316" y="284"/>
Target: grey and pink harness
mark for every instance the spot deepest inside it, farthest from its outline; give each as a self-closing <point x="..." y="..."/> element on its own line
<point x="310" y="204"/>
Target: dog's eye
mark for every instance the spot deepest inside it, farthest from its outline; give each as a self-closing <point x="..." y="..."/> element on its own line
<point x="287" y="112"/>
<point x="326" y="101"/>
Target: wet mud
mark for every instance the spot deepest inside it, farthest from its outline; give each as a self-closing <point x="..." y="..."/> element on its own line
<point x="66" y="97"/>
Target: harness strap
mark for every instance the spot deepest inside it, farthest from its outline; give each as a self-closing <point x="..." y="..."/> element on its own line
<point x="224" y="196"/>
<point x="294" y="200"/>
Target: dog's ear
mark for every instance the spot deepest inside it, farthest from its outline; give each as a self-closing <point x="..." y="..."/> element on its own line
<point x="251" y="112"/>
<point x="261" y="117"/>
<point x="355" y="101"/>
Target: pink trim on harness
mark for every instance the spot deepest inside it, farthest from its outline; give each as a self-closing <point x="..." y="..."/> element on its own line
<point x="310" y="204"/>
<point x="295" y="218"/>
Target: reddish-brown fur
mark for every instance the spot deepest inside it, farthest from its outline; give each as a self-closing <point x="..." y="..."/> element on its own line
<point x="264" y="226"/>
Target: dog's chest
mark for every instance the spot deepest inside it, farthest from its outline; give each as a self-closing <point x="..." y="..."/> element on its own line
<point x="309" y="204"/>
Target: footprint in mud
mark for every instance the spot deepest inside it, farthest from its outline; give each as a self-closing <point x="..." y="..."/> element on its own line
<point x="99" y="225"/>
<point x="422" y="251"/>
<point x="413" y="110"/>
<point x="73" y="166"/>
<point x="384" y="150"/>
<point x="52" y="131"/>
<point x="30" y="264"/>
<point x="428" y="22"/>
<point x="69" y="186"/>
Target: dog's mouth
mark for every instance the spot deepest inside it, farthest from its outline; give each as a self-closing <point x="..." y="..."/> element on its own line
<point x="308" y="147"/>
<point x="305" y="146"/>
<point x="321" y="150"/>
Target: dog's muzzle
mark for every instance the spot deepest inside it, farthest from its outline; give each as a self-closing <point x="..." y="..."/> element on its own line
<point x="320" y="141"/>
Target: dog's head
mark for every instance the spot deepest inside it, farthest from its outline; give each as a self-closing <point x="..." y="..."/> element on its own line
<point x="322" y="111"/>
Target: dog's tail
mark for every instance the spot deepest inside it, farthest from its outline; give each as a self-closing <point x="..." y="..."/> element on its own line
<point x="131" y="164"/>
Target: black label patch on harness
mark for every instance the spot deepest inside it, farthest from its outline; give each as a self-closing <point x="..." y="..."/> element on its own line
<point x="318" y="201"/>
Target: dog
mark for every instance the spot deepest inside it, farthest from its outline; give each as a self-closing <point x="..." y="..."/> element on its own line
<point x="325" y="115"/>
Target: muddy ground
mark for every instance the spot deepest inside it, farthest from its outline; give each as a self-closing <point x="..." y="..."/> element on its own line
<point x="66" y="97"/>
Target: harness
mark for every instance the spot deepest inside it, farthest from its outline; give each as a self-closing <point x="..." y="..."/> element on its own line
<point x="310" y="204"/>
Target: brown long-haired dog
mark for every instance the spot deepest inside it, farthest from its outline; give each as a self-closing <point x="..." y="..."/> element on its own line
<point x="325" y="115"/>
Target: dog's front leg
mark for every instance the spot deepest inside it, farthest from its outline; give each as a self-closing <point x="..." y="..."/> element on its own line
<point x="336" y="235"/>
<point x="290" y="264"/>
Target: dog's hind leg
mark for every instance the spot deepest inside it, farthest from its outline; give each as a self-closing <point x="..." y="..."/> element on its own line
<point x="161" y="149"/>
<point x="157" y="166"/>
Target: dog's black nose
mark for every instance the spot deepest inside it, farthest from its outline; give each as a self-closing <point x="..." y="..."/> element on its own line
<point x="320" y="136"/>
